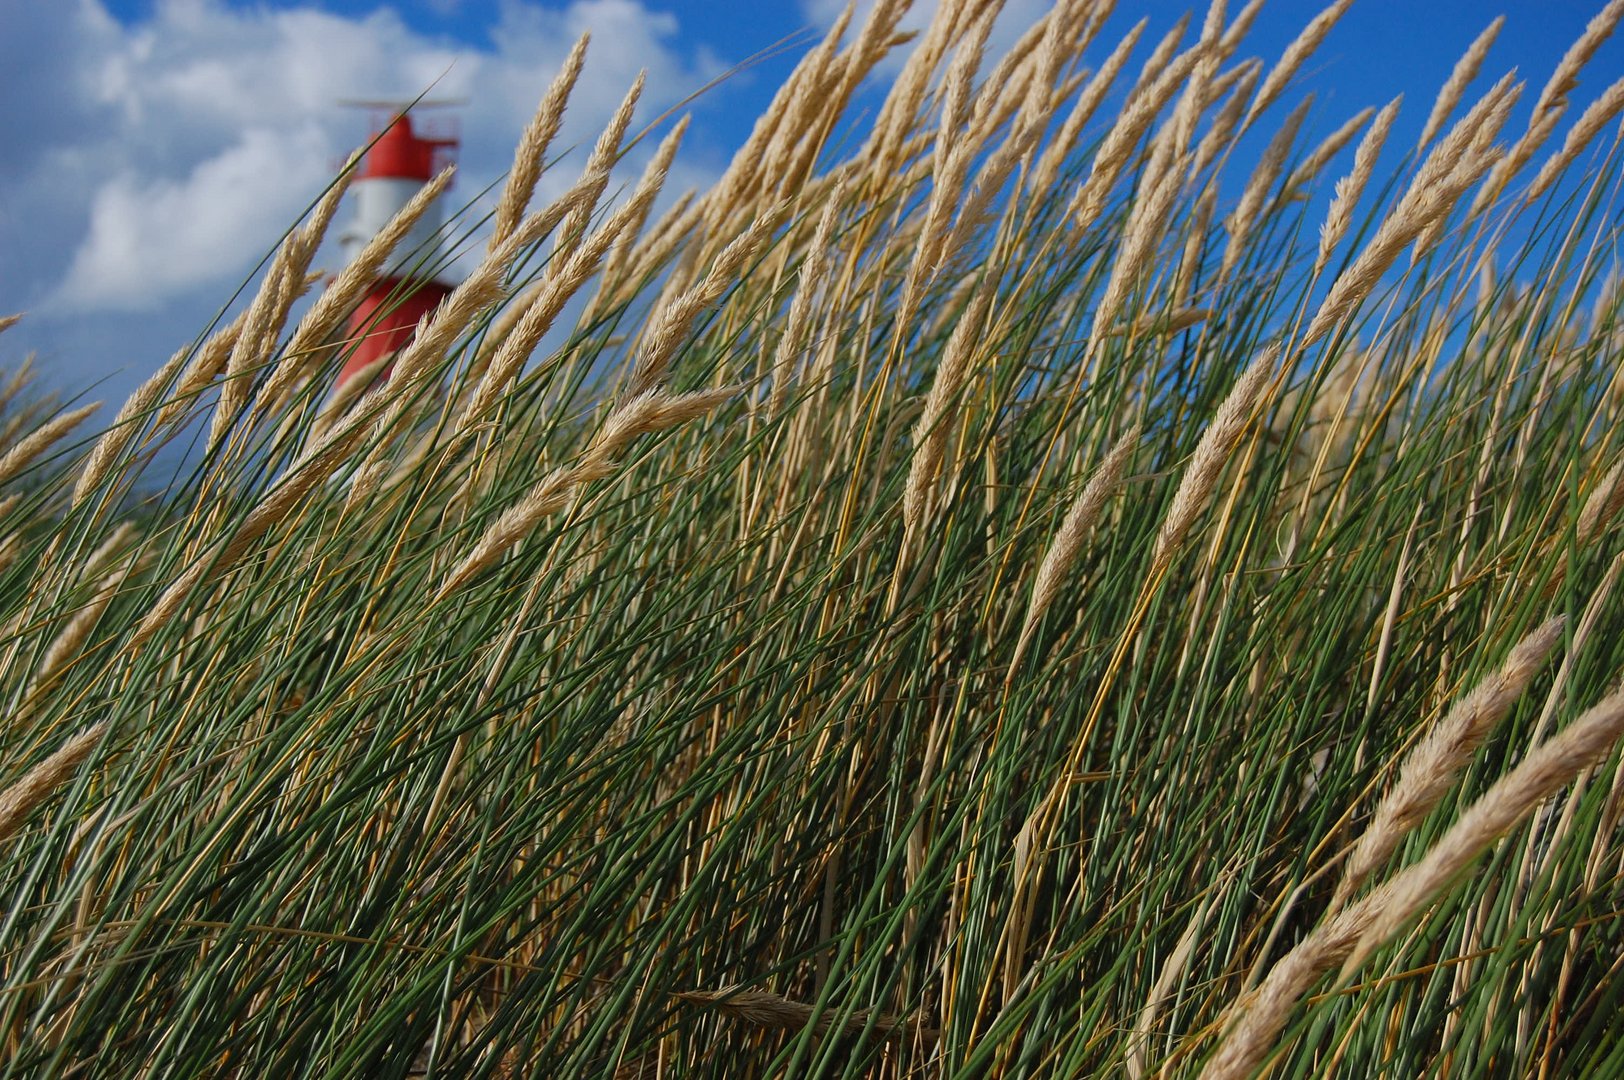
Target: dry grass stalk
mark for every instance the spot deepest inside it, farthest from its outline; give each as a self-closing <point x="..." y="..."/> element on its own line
<point x="207" y="362"/>
<point x="1466" y="69"/>
<point x="1329" y="148"/>
<point x="1172" y="974"/>
<point x="1117" y="148"/>
<point x="285" y="281"/>
<point x="1156" y="63"/>
<point x="654" y="410"/>
<point x="1547" y="768"/>
<point x="1250" y="208"/>
<point x="1601" y="505"/>
<point x="799" y="323"/>
<point x="492" y="372"/>
<point x="1298" y="51"/>
<point x="529" y="158"/>
<point x="18" y="800"/>
<point x="930" y="434"/>
<point x="670" y="324"/>
<point x="1566" y="75"/>
<point x="630" y="266"/>
<point x="1068" y="539"/>
<point x="954" y="151"/>
<point x="20" y="455"/>
<point x="347" y="393"/>
<point x="1212" y="453"/>
<point x="1141" y="236"/>
<point x="1348" y="937"/>
<point x="1521" y="153"/>
<point x="103" y="459"/>
<point x="655" y="173"/>
<point x="1239" y="28"/>
<point x="8" y="321"/>
<point x="1602" y="110"/>
<point x="1219" y="136"/>
<point x="478" y="292"/>
<point x="601" y="162"/>
<point x="898" y="115"/>
<point x="1351" y="187"/>
<point x="1447" y="173"/>
<point x="795" y="111"/>
<point x="339" y="298"/>
<point x="761" y="1008"/>
<point x="70" y="641"/>
<point x="1066" y="31"/>
<point x="1062" y="146"/>
<point x="1431" y="768"/>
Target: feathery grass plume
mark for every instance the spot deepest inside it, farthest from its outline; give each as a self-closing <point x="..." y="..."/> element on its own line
<point x="1054" y="156"/>
<point x="8" y="321"/>
<point x="477" y="293"/>
<point x="650" y="411"/>
<point x="36" y="785"/>
<point x="69" y="642"/>
<point x="208" y="360"/>
<point x="1147" y="223"/>
<point x="347" y="393"/>
<point x="1444" y="176"/>
<point x="1465" y="70"/>
<point x="1306" y="42"/>
<point x="1328" y="148"/>
<point x="668" y="326"/>
<point x="1117" y="148"/>
<point x="931" y="433"/>
<point x="615" y="278"/>
<point x="1155" y="64"/>
<point x="1351" y="187"/>
<point x="1250" y="208"/>
<point x="1430" y="769"/>
<point x="1348" y="937"/>
<point x="23" y="452"/>
<point x="1240" y="27"/>
<point x="1066" y="30"/>
<point x="1219" y="136"/>
<point x="1173" y="971"/>
<point x="793" y="117"/>
<point x="529" y="158"/>
<point x="1601" y="506"/>
<point x="1068" y="538"/>
<point x="798" y="140"/>
<point x="1521" y="153"/>
<point x="333" y="306"/>
<point x="898" y="115"/>
<point x="601" y="162"/>
<point x="493" y="370"/>
<point x="810" y="281"/>
<point x="267" y="313"/>
<point x="1545" y="770"/>
<point x="954" y="150"/>
<point x="1565" y="77"/>
<point x="106" y="456"/>
<point x="1212" y="453"/>
<point x="1602" y="110"/>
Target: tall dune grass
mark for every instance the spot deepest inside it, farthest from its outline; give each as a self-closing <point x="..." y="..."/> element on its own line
<point x="995" y="586"/>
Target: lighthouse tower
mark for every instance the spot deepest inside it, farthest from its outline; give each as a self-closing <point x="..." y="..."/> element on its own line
<point x="397" y="166"/>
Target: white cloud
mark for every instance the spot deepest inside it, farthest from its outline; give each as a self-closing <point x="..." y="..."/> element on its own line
<point x="151" y="238"/>
<point x="182" y="146"/>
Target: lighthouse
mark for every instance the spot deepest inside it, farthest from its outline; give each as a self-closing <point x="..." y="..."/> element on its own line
<point x="400" y="162"/>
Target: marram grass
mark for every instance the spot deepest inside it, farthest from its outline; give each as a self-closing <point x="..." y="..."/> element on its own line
<point x="999" y="585"/>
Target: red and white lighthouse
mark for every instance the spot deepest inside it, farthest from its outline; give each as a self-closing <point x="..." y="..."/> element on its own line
<point x="397" y="166"/>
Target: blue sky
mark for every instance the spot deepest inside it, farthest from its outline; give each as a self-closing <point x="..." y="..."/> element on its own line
<point x="157" y="148"/>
